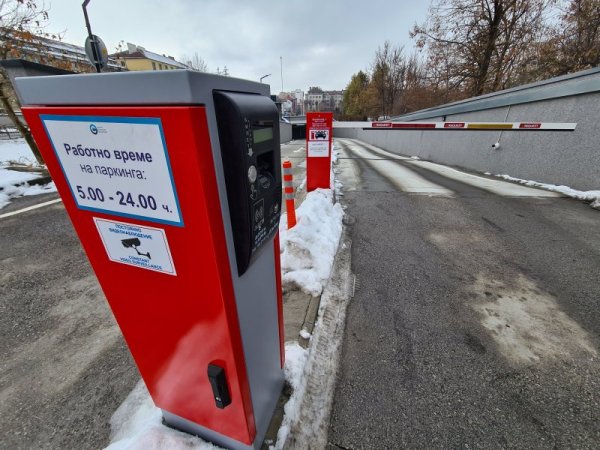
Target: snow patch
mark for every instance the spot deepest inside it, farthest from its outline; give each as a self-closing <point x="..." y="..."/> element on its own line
<point x="137" y="425"/>
<point x="10" y="191"/>
<point x="304" y="334"/>
<point x="308" y="249"/>
<point x="295" y="360"/>
<point x="14" y="183"/>
<point x="415" y="158"/>
<point x="588" y="196"/>
<point x="12" y="177"/>
<point x="16" y="150"/>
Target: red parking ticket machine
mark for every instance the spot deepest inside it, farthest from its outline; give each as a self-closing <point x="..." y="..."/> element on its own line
<point x="172" y="181"/>
<point x="319" y="136"/>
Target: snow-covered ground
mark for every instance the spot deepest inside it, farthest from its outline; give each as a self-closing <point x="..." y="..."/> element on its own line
<point x="137" y="423"/>
<point x="308" y="249"/>
<point x="16" y="150"/>
<point x="589" y="196"/>
<point x="12" y="183"/>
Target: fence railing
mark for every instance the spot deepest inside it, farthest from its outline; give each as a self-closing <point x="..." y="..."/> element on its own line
<point x="8" y="132"/>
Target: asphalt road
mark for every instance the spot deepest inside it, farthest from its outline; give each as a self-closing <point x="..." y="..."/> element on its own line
<point x="475" y="318"/>
<point x="64" y="365"/>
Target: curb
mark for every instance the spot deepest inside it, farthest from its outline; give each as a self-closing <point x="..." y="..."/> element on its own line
<point x="311" y="427"/>
<point x="36" y="181"/>
<point x="330" y="315"/>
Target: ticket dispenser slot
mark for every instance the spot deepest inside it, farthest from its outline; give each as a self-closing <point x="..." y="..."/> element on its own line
<point x="249" y="135"/>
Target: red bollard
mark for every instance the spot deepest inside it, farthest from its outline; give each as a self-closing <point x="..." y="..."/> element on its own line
<point x="288" y="189"/>
<point x="319" y="135"/>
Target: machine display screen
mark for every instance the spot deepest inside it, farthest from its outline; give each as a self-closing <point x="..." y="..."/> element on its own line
<point x="262" y="134"/>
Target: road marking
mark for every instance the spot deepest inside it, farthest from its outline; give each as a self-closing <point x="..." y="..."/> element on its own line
<point x="498" y="187"/>
<point x="30" y="208"/>
<point x="381" y="152"/>
<point x="400" y="176"/>
<point x="494" y="186"/>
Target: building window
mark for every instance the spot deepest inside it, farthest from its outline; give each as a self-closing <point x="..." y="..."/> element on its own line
<point x="153" y="65"/>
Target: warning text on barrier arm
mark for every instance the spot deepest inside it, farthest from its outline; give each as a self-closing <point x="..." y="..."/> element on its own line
<point x="116" y="165"/>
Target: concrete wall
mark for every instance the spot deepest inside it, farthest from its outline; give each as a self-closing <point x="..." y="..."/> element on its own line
<point x="285" y="132"/>
<point x="557" y="157"/>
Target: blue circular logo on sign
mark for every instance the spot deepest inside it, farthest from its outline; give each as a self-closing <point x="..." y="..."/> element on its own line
<point x="93" y="129"/>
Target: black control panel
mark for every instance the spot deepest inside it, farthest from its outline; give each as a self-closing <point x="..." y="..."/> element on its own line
<point x="249" y="135"/>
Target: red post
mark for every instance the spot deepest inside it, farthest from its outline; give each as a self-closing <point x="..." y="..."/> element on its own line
<point x="319" y="135"/>
<point x="288" y="188"/>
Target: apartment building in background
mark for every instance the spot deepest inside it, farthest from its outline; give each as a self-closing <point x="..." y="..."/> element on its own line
<point x="138" y="58"/>
<point x="319" y="100"/>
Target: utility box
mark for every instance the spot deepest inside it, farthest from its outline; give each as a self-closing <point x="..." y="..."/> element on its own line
<point x="172" y="181"/>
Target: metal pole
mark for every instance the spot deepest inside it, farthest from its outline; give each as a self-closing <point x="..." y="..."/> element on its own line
<point x="95" y="50"/>
<point x="281" y="64"/>
<point x="264" y="76"/>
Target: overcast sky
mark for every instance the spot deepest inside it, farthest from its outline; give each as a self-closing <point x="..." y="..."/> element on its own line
<point x="322" y="42"/>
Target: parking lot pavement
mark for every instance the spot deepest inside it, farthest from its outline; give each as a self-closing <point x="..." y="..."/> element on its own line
<point x="65" y="367"/>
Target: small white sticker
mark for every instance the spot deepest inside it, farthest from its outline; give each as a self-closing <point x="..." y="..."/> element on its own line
<point x="318" y="149"/>
<point x="134" y="245"/>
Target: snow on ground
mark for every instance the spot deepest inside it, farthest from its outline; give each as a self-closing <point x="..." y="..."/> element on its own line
<point x="308" y="249"/>
<point x="19" y="191"/>
<point x="295" y="360"/>
<point x="13" y="183"/>
<point x="588" y="196"/>
<point x="304" y="334"/>
<point x="137" y="423"/>
<point x="16" y="150"/>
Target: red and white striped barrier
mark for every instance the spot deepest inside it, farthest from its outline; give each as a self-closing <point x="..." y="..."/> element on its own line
<point x="471" y="126"/>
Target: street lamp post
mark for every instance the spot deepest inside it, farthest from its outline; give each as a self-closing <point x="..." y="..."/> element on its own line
<point x="264" y="76"/>
<point x="281" y="65"/>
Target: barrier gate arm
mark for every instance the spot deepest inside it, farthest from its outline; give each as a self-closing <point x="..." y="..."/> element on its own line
<point x="469" y="126"/>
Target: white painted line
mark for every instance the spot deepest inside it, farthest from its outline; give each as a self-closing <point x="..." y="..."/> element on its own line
<point x="494" y="186"/>
<point x="400" y="176"/>
<point x="381" y="152"/>
<point x="30" y="208"/>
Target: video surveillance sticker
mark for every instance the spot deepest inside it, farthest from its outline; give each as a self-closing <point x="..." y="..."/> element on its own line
<point x="135" y="245"/>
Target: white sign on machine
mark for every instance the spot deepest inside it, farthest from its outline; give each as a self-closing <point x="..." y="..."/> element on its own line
<point x="136" y="245"/>
<point x="116" y="165"/>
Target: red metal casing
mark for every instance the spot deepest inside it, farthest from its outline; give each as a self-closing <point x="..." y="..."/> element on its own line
<point x="174" y="325"/>
<point x="319" y="136"/>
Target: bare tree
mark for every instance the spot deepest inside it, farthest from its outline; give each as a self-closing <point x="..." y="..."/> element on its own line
<point x="195" y="62"/>
<point x="20" y="22"/>
<point x="388" y="76"/>
<point x="574" y="43"/>
<point x="476" y="44"/>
